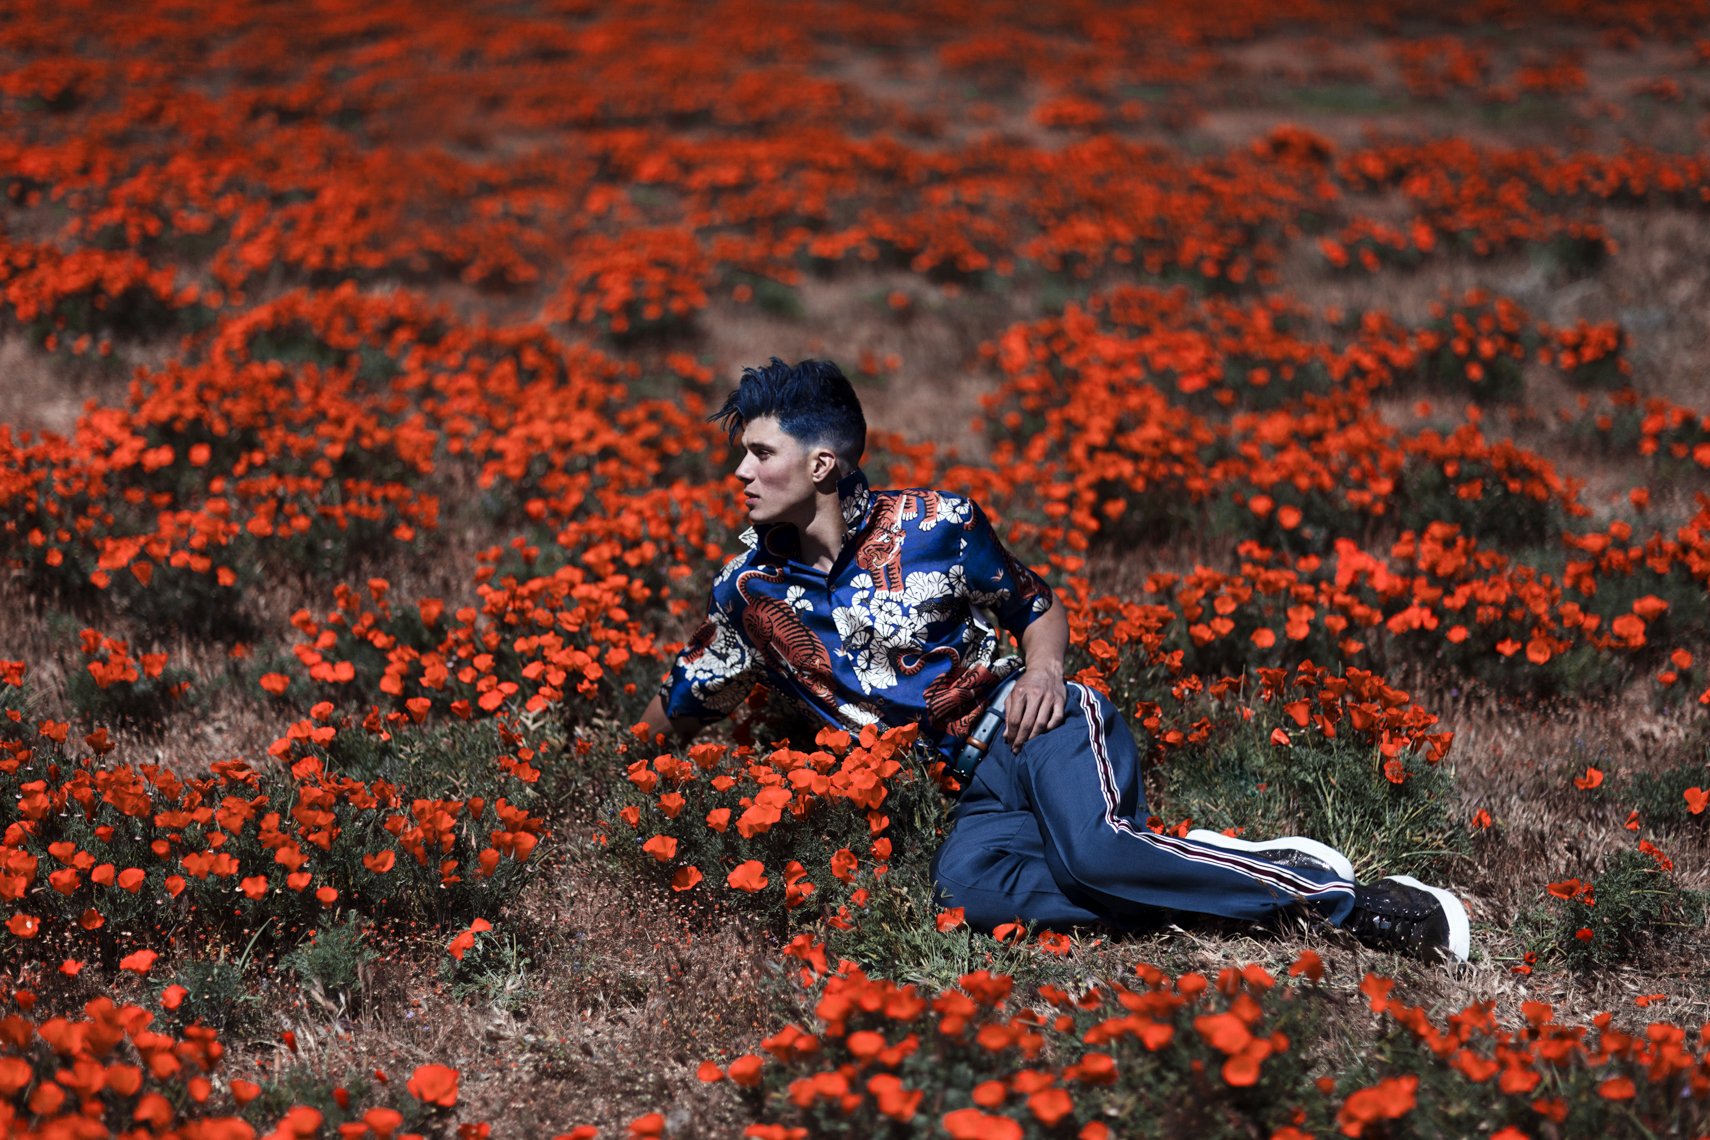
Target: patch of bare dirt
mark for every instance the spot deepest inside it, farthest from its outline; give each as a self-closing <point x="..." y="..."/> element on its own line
<point x="916" y="368"/>
<point x="40" y="392"/>
<point x="608" y="1005"/>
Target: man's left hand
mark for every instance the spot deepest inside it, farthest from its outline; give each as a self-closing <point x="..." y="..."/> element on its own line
<point x="1035" y="705"/>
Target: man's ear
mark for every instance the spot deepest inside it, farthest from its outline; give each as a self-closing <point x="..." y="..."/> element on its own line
<point x="824" y="465"/>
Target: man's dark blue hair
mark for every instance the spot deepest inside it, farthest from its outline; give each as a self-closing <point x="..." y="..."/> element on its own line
<point x="812" y="401"/>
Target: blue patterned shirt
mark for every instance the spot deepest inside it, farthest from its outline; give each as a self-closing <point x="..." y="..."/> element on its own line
<point x="901" y="629"/>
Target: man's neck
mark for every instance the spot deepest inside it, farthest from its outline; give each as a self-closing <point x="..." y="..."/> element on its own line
<point x="822" y="538"/>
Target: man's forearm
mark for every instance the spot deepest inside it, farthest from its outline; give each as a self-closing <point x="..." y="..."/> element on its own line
<point x="1045" y="641"/>
<point x="674" y="729"/>
<point x="1036" y="704"/>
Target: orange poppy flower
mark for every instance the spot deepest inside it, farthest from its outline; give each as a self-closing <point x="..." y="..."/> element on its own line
<point x="748" y="876"/>
<point x="464" y="940"/>
<point x="972" y="1124"/>
<point x="138" y="961"/>
<point x="434" y="1084"/>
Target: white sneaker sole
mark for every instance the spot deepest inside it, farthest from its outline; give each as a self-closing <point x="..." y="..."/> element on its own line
<point x="1460" y="930"/>
<point x="1322" y="852"/>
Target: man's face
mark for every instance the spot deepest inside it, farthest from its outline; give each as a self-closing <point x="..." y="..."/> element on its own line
<point x="776" y="473"/>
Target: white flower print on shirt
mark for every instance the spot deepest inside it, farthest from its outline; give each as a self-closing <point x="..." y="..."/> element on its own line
<point x="713" y="674"/>
<point x="929" y="590"/>
<point x="874" y="630"/>
<point x="856" y="714"/>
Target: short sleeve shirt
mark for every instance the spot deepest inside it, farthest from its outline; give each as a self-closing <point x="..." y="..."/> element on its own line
<point x="902" y="628"/>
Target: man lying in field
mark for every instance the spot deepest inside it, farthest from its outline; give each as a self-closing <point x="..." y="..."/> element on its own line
<point x="870" y="607"/>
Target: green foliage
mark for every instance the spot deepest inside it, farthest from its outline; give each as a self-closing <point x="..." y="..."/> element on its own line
<point x="341" y="1097"/>
<point x="179" y="600"/>
<point x="1350" y="98"/>
<point x="1634" y="904"/>
<point x="771" y="295"/>
<point x="1572" y="254"/>
<point x="217" y="994"/>
<point x="1477" y="345"/>
<point x="1554" y="1079"/>
<point x="1583" y="671"/>
<point x="131" y="312"/>
<point x="147" y="701"/>
<point x="1662" y="799"/>
<point x="1507" y="507"/>
<point x="496" y="970"/>
<point x="263" y="855"/>
<point x="1333" y="790"/>
<point x="1685" y="621"/>
<point x="332" y="963"/>
<point x="1152" y="1056"/>
<point x="442" y="760"/>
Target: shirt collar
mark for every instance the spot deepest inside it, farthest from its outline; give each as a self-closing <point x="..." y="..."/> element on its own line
<point x="857" y="500"/>
<point x="854" y="496"/>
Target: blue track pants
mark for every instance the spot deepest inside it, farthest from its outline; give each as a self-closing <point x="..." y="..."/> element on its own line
<point x="1055" y="834"/>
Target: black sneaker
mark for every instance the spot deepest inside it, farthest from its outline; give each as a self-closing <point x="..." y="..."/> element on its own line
<point x="1289" y="851"/>
<point x="1401" y="913"/>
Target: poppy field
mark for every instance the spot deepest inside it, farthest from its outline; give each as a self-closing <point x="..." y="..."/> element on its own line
<point x="1342" y="368"/>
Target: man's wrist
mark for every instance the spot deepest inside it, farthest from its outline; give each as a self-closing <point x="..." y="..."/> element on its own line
<point x="1050" y="669"/>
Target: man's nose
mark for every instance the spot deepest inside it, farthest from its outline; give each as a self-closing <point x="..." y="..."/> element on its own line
<point x="743" y="473"/>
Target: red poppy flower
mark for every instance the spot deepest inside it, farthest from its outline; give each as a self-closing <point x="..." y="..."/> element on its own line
<point x="138" y="961"/>
<point x="1390" y="1099"/>
<point x="434" y="1084"/>
<point x="1308" y="965"/>
<point x="745" y="1071"/>
<point x="464" y="940"/>
<point x="1617" y="1088"/>
<point x="972" y="1124"/>
<point x="748" y="876"/>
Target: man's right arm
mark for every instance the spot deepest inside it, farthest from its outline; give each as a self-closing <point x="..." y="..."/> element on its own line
<point x="713" y="674"/>
<point x="660" y="728"/>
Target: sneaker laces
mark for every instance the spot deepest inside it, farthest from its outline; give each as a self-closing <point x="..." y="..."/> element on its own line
<point x="1389" y="915"/>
